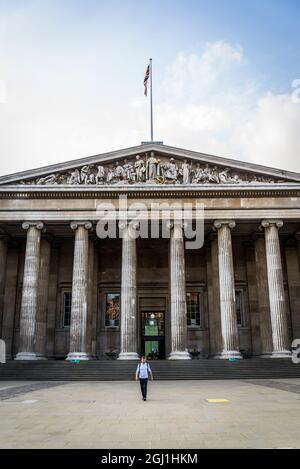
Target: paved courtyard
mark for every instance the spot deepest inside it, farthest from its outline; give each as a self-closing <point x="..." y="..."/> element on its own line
<point x="259" y="414"/>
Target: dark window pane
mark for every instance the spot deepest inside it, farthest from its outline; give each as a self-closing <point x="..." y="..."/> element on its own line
<point x="193" y="309"/>
<point x="112" y="312"/>
<point x="238" y="304"/>
<point x="67" y="303"/>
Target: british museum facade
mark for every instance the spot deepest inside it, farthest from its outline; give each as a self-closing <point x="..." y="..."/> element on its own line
<point x="151" y="250"/>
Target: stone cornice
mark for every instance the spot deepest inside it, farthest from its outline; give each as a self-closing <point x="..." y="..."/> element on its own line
<point x="215" y="191"/>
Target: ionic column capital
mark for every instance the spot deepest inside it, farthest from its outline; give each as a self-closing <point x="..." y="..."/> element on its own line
<point x="27" y="224"/>
<point x="220" y="223"/>
<point x="86" y="224"/>
<point x="267" y="223"/>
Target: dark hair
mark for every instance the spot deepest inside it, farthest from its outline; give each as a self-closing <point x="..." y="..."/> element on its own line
<point x="143" y="357"/>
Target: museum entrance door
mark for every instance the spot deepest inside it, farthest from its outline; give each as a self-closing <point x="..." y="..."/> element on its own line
<point x="153" y="334"/>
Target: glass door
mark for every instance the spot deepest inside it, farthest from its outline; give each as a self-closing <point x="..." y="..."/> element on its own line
<point x="153" y="335"/>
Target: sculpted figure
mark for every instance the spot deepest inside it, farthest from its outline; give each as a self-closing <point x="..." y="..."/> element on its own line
<point x="128" y="171"/>
<point x="235" y="179"/>
<point x="140" y="169"/>
<point x="100" y="176"/>
<point x="185" y="171"/>
<point x="224" y="176"/>
<point x="206" y="173"/>
<point x="84" y="172"/>
<point x="151" y="167"/>
<point x="74" y="177"/>
<point x="214" y="177"/>
<point x="110" y="175"/>
<point x="91" y="175"/>
<point x="199" y="175"/>
<point x="51" y="179"/>
<point x="264" y="179"/>
<point x="170" y="170"/>
<point x="118" y="172"/>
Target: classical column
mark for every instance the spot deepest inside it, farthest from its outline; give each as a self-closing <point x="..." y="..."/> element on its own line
<point x="92" y="308"/>
<point x="3" y="259"/>
<point x="227" y="290"/>
<point x="263" y="297"/>
<point x="128" y="348"/>
<point x="78" y="328"/>
<point x="29" y="302"/>
<point x="216" y="316"/>
<point x="178" y="295"/>
<point x="276" y="289"/>
<point x="41" y="320"/>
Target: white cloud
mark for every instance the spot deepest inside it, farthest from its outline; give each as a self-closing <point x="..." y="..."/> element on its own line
<point x="193" y="76"/>
<point x="271" y="135"/>
<point x="213" y="105"/>
<point x="207" y="101"/>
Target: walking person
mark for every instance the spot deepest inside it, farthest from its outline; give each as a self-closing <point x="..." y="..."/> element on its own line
<point x="142" y="373"/>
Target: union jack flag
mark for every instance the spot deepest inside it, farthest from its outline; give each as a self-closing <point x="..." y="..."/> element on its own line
<point x="147" y="75"/>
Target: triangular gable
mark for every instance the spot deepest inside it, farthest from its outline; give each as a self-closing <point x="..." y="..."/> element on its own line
<point x="150" y="164"/>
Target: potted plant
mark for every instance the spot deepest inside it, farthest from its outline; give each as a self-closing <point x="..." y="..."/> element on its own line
<point x="111" y="354"/>
<point x="194" y="352"/>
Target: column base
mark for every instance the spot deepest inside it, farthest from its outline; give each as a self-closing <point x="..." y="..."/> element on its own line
<point x="281" y="354"/>
<point x="128" y="356"/>
<point x="230" y="354"/>
<point x="179" y="356"/>
<point x="82" y="356"/>
<point x="39" y="356"/>
<point x="27" y="356"/>
<point x="215" y="356"/>
<point x="91" y="356"/>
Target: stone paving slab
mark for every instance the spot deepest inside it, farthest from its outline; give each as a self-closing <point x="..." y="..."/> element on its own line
<point x="13" y="384"/>
<point x="13" y="391"/>
<point x="176" y="415"/>
<point x="283" y="386"/>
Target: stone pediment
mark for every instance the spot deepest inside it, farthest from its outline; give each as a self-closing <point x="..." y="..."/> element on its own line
<point x="151" y="164"/>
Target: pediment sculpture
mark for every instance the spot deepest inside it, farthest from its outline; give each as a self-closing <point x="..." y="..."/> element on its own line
<point x="150" y="170"/>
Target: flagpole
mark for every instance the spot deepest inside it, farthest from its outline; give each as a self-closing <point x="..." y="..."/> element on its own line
<point x="151" y="103"/>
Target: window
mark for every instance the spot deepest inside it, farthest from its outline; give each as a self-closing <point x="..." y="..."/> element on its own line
<point x="67" y="303"/>
<point x="112" y="311"/>
<point x="193" y="309"/>
<point x="239" y="308"/>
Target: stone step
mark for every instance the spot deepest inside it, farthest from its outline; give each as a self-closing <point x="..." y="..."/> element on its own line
<point x="125" y="370"/>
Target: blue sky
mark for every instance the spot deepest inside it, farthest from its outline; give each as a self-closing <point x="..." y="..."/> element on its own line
<point x="71" y="78"/>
